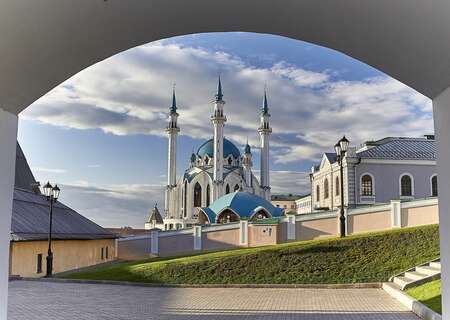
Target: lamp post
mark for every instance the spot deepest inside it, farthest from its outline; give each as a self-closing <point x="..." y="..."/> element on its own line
<point x="52" y="194"/>
<point x="341" y="148"/>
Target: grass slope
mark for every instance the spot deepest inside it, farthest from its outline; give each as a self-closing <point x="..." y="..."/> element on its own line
<point x="363" y="258"/>
<point x="429" y="294"/>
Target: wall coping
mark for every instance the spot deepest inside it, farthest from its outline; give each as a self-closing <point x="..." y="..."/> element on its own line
<point x="420" y="203"/>
<point x="316" y="216"/>
<point x="369" y="209"/>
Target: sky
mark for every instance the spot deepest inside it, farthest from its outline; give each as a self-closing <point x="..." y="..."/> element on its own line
<point x="100" y="134"/>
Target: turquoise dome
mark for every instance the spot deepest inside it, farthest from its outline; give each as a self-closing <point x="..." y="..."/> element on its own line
<point x="244" y="204"/>
<point x="207" y="148"/>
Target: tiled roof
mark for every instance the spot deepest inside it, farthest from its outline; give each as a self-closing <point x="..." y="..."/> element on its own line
<point x="31" y="214"/>
<point x="401" y="149"/>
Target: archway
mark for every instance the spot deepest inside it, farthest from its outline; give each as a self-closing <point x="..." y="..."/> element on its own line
<point x="227" y="216"/>
<point x="385" y="34"/>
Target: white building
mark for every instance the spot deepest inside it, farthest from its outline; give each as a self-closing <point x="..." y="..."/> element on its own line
<point x="304" y="205"/>
<point x="216" y="169"/>
<point x="377" y="172"/>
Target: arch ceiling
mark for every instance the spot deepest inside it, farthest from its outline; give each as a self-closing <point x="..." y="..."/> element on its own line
<point x="45" y="42"/>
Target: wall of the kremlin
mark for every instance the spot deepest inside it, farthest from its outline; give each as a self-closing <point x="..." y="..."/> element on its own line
<point x="290" y="228"/>
<point x="67" y="255"/>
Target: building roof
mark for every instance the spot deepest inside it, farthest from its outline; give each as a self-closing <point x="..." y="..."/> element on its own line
<point x="244" y="204"/>
<point x="398" y="148"/>
<point x="207" y="148"/>
<point x="285" y="197"/>
<point x="24" y="178"/>
<point x="331" y="156"/>
<point x="31" y="214"/>
<point x="155" y="216"/>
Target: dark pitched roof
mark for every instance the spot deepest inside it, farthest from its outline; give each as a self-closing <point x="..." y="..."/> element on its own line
<point x="285" y="197"/>
<point x="394" y="148"/>
<point x="30" y="220"/>
<point x="155" y="216"/>
<point x="24" y="177"/>
<point x="331" y="156"/>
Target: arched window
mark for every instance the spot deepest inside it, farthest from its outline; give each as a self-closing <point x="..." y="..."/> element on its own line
<point x="197" y="195"/>
<point x="230" y="161"/>
<point x="208" y="195"/>
<point x="434" y="186"/>
<point x="326" y="189"/>
<point x="227" y="189"/>
<point x="337" y="186"/>
<point x="236" y="187"/>
<point x="406" y="186"/>
<point x="206" y="160"/>
<point x="366" y="185"/>
<point x="317" y="193"/>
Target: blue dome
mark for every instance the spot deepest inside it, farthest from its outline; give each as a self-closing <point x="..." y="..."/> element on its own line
<point x="207" y="148"/>
<point x="244" y="204"/>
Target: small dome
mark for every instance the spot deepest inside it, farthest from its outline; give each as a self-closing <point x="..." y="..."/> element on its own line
<point x="207" y="148"/>
<point x="244" y="204"/>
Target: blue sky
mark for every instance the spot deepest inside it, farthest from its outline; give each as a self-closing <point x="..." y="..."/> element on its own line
<point x="100" y="134"/>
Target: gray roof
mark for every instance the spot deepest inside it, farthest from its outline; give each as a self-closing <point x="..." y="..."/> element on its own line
<point x="331" y="156"/>
<point x="24" y="177"/>
<point x="155" y="216"/>
<point x="394" y="148"/>
<point x="31" y="214"/>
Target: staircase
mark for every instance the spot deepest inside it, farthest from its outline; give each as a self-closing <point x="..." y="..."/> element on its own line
<point x="418" y="275"/>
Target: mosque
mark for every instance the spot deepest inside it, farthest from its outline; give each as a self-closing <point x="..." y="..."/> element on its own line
<point x="219" y="185"/>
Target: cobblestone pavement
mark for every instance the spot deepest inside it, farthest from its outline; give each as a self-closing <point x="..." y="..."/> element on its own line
<point x="29" y="300"/>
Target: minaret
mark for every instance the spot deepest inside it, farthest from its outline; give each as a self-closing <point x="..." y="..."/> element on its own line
<point x="264" y="131"/>
<point x="247" y="166"/>
<point x="218" y="120"/>
<point x="172" y="131"/>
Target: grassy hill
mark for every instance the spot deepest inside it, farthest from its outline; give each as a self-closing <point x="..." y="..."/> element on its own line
<point x="363" y="258"/>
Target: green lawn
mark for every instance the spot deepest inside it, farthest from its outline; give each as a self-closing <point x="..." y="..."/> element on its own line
<point x="363" y="258"/>
<point x="429" y="294"/>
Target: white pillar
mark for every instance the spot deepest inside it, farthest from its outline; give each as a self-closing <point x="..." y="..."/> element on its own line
<point x="396" y="213"/>
<point x="8" y="141"/>
<point x="197" y="238"/>
<point x="154" y="242"/>
<point x="441" y="114"/>
<point x="291" y="227"/>
<point x="243" y="233"/>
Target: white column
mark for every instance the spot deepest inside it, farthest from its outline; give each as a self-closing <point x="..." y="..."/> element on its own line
<point x="154" y="242"/>
<point x="441" y="114"/>
<point x="396" y="213"/>
<point x="243" y="233"/>
<point x="291" y="227"/>
<point x="197" y="238"/>
<point x="8" y="140"/>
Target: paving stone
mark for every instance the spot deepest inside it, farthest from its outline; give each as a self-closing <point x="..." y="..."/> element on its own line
<point x="30" y="300"/>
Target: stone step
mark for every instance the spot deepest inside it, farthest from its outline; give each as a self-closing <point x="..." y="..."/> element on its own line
<point x="428" y="270"/>
<point x="436" y="265"/>
<point x="402" y="281"/>
<point x="415" y="275"/>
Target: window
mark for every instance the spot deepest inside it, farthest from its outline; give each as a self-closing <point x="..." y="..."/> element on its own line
<point x="434" y="186"/>
<point x="39" y="263"/>
<point x="103" y="253"/>
<point x="406" y="186"/>
<point x="227" y="189"/>
<point x="366" y="185"/>
<point x="197" y="195"/>
<point x="208" y="195"/>
<point x="230" y="161"/>
<point x="106" y="253"/>
<point x="185" y="199"/>
<point x="236" y="188"/>
<point x="326" y="190"/>
<point x="206" y="160"/>
<point x="337" y="186"/>
<point x="317" y="193"/>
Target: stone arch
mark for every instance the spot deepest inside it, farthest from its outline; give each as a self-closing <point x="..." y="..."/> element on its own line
<point x="227" y="216"/>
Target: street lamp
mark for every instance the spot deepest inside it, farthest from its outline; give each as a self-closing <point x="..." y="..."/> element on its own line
<point x="52" y="195"/>
<point x="341" y="148"/>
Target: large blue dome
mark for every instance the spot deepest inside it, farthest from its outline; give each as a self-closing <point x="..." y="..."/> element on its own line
<point x="207" y="148"/>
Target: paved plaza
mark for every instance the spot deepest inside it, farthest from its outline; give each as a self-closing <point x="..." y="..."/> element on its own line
<point x="29" y="300"/>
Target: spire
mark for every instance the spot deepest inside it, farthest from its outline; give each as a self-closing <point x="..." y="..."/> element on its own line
<point x="247" y="149"/>
<point x="265" y="107"/>
<point x="219" y="94"/>
<point x="173" y="108"/>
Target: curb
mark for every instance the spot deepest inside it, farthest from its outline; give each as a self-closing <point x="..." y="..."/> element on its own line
<point x="412" y="304"/>
<point x="161" y="285"/>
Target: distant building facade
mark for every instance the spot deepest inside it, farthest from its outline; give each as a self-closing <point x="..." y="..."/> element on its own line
<point x="287" y="202"/>
<point x="377" y="172"/>
<point x="304" y="204"/>
<point x="77" y="241"/>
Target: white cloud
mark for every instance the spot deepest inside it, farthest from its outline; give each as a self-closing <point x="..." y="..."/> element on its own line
<point x="48" y="170"/>
<point x="130" y="93"/>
